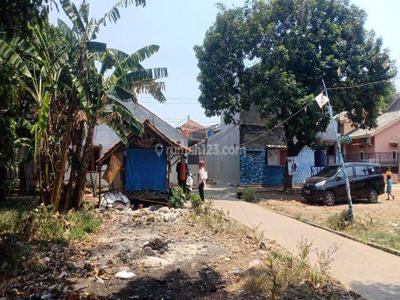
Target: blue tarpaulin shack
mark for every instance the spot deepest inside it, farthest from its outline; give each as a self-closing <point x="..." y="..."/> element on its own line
<point x="142" y="168"/>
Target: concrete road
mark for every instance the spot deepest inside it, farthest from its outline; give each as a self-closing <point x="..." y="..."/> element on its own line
<point x="368" y="271"/>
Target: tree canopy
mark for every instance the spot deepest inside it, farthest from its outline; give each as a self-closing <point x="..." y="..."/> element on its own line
<point x="275" y="53"/>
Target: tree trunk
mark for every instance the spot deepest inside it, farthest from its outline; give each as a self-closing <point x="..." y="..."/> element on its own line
<point x="81" y="179"/>
<point x="77" y="140"/>
<point x="60" y="169"/>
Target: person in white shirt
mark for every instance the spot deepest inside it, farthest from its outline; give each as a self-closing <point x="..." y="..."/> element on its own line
<point x="202" y="177"/>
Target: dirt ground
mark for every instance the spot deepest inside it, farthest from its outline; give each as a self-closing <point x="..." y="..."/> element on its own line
<point x="165" y="253"/>
<point x="382" y="217"/>
<point x="168" y="254"/>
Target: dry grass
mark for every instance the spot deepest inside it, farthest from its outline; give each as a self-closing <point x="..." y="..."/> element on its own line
<point x="378" y="223"/>
<point x="282" y="276"/>
<point x="220" y="223"/>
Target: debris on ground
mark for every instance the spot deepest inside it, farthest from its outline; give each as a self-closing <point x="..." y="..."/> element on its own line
<point x="150" y="253"/>
<point x="114" y="200"/>
<point x="125" y="275"/>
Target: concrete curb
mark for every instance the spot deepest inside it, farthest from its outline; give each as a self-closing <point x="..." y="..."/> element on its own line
<point x="382" y="248"/>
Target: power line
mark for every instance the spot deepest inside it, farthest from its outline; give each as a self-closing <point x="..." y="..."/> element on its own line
<point x="362" y="84"/>
<point x="278" y="125"/>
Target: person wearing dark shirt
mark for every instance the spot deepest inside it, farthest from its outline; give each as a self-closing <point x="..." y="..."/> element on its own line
<point x="182" y="171"/>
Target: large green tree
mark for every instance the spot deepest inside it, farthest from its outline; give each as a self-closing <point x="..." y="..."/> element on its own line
<point x="279" y="51"/>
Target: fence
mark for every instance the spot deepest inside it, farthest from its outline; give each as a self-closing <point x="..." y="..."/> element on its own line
<point x="383" y="158"/>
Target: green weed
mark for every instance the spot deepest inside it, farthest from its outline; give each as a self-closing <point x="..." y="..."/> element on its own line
<point x="249" y="194"/>
<point x="177" y="198"/>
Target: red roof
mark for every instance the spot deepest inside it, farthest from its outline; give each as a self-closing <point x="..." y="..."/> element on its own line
<point x="192" y="125"/>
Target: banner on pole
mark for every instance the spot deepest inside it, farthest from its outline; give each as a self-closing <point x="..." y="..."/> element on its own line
<point x="321" y="100"/>
<point x="292" y="165"/>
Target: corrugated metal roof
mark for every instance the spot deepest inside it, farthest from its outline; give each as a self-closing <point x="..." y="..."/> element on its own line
<point x="148" y="125"/>
<point x="385" y="120"/>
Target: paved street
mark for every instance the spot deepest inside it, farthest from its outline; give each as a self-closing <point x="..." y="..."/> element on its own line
<point x="368" y="271"/>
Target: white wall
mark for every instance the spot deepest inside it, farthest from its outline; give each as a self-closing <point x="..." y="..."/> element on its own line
<point x="223" y="167"/>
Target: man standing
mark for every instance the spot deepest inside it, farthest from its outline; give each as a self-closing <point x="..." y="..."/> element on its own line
<point x="182" y="172"/>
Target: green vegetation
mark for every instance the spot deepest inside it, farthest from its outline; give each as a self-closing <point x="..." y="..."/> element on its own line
<point x="25" y="226"/>
<point x="370" y="232"/>
<point x="177" y="198"/>
<point x="338" y="221"/>
<point x="366" y="231"/>
<point x="22" y="220"/>
<point x="249" y="194"/>
<point x="195" y="200"/>
<point x="280" y="275"/>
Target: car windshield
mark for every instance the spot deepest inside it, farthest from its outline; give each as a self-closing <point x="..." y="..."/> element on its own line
<point x="328" y="171"/>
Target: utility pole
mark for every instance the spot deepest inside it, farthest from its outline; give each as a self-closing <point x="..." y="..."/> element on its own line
<point x="341" y="160"/>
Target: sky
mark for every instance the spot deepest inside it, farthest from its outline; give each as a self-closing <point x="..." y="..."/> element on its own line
<point x="178" y="25"/>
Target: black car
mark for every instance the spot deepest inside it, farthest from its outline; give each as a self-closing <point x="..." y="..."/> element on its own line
<point x="328" y="186"/>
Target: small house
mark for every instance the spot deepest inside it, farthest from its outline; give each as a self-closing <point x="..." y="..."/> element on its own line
<point x="380" y="144"/>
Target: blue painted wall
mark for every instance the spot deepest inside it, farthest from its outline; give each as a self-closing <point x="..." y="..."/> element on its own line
<point x="252" y="166"/>
<point x="274" y="175"/>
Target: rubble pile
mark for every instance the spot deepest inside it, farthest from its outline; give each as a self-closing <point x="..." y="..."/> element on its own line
<point x="148" y="215"/>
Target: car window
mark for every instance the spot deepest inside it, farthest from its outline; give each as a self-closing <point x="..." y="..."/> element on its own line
<point x="372" y="170"/>
<point x="361" y="170"/>
<point x="328" y="171"/>
<point x="349" y="171"/>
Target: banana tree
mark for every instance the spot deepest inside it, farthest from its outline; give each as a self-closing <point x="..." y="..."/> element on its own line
<point x="38" y="64"/>
<point x="58" y="68"/>
<point x="102" y="97"/>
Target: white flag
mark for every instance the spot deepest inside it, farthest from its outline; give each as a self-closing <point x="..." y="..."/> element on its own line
<point x="321" y="100"/>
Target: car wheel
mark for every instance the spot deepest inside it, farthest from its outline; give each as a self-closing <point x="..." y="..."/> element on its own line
<point x="372" y="196"/>
<point x="329" y="198"/>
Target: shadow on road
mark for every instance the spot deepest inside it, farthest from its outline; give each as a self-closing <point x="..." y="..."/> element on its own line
<point x="378" y="290"/>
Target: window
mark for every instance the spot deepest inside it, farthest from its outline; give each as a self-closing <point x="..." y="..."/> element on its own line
<point x="193" y="159"/>
<point x="349" y="171"/>
<point x="361" y="155"/>
<point x="273" y="157"/>
<point x="328" y="171"/>
<point x="361" y="170"/>
<point x="372" y="170"/>
<point x="394" y="155"/>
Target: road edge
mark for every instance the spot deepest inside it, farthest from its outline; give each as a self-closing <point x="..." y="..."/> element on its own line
<point x="371" y="244"/>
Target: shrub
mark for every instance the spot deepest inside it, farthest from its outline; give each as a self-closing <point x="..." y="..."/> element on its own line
<point x="249" y="194"/>
<point x="14" y="215"/>
<point x="46" y="224"/>
<point x="281" y="274"/>
<point x="177" y="198"/>
<point x="81" y="223"/>
<point x="338" y="221"/>
<point x="195" y="201"/>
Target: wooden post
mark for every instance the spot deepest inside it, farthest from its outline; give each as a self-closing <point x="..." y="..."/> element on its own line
<point x="169" y="168"/>
<point x="99" y="173"/>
